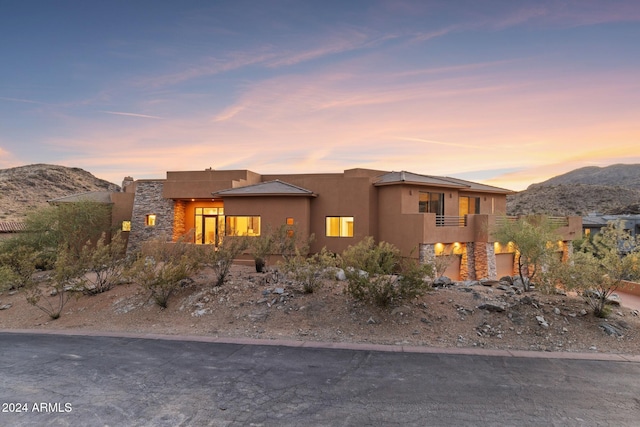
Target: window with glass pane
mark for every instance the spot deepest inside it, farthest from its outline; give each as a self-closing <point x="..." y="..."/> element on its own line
<point x="469" y="205"/>
<point x="431" y="203"/>
<point x="242" y="226"/>
<point x="339" y="226"/>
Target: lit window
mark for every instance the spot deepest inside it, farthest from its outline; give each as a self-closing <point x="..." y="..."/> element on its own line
<point x="339" y="226"/>
<point x="126" y="225"/>
<point x="150" y="220"/>
<point x="469" y="205"/>
<point x="289" y="221"/>
<point x="431" y="203"/>
<point x="242" y="226"/>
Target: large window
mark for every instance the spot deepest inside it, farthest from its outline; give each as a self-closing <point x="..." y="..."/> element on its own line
<point x="339" y="226"/>
<point x="242" y="226"/>
<point x="469" y="205"/>
<point x="431" y="203"/>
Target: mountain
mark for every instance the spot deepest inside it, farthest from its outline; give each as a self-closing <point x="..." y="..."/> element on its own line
<point x="25" y="188"/>
<point x="612" y="189"/>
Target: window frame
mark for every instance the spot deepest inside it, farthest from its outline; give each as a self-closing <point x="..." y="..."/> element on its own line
<point x="231" y="230"/>
<point x="345" y="226"/>
<point x="430" y="205"/>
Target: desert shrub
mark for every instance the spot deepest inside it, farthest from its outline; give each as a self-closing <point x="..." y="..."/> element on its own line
<point x="161" y="266"/>
<point x="220" y="259"/>
<point x="18" y="263"/>
<point x="600" y="266"/>
<point x="285" y="241"/>
<point x="67" y="275"/>
<point x="378" y="274"/>
<point x="103" y="264"/>
<point x="310" y="271"/>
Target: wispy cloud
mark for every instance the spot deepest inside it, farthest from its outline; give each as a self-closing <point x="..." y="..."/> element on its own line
<point x="25" y="101"/>
<point x="120" y="113"/>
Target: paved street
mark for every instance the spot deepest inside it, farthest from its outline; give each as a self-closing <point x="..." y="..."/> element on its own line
<point x="108" y="381"/>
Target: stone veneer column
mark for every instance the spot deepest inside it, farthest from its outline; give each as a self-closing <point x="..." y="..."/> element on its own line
<point x="484" y="261"/>
<point x="179" y="212"/>
<point x="469" y="261"/>
<point x="464" y="262"/>
<point x="148" y="200"/>
<point x="427" y="253"/>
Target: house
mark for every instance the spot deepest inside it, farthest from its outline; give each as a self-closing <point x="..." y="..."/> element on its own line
<point x="593" y="223"/>
<point x="424" y="216"/>
<point x="8" y="229"/>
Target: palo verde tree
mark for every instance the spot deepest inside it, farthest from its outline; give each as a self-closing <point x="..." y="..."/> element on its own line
<point x="534" y="240"/>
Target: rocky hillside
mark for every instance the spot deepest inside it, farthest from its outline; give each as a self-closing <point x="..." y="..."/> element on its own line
<point x="613" y="189"/>
<point x="27" y="187"/>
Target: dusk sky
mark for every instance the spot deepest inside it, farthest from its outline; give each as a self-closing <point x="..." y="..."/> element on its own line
<point x="507" y="93"/>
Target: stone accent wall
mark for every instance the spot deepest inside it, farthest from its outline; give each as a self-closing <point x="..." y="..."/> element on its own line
<point x="464" y="262"/>
<point x="469" y="260"/>
<point x="427" y="253"/>
<point x="481" y="261"/>
<point x="148" y="200"/>
<point x="179" y="210"/>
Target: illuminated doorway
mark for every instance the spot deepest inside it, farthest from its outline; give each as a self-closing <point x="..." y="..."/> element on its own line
<point x="209" y="225"/>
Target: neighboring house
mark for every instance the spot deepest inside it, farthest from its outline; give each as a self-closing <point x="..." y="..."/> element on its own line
<point x="10" y="228"/>
<point x="121" y="205"/>
<point x="594" y="222"/>
<point x="424" y="216"/>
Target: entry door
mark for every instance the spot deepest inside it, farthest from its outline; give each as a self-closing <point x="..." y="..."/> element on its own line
<point x="210" y="229"/>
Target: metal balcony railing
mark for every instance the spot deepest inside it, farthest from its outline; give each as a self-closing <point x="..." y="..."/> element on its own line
<point x="451" y="221"/>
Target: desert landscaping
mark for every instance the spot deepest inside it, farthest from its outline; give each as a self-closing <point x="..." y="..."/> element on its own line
<point x="267" y="306"/>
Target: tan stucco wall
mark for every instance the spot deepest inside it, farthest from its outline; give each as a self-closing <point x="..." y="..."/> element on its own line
<point x="273" y="211"/>
<point x="200" y="184"/>
<point x="338" y="195"/>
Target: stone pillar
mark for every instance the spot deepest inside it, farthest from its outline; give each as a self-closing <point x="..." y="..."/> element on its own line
<point x="464" y="262"/>
<point x="148" y="200"/>
<point x="179" y="228"/>
<point x="485" y="261"/>
<point x="427" y="253"/>
<point x="469" y="261"/>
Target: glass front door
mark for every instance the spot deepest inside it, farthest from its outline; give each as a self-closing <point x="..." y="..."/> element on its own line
<point x="209" y="224"/>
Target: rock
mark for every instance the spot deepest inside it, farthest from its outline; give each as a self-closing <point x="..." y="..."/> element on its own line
<point x="201" y="312"/>
<point x="507" y="279"/>
<point x="258" y="316"/>
<point x="623" y="324"/>
<point x="442" y="282"/>
<point x="489" y="282"/>
<point x="635" y="312"/>
<point x="610" y="329"/>
<point x="371" y="321"/>
<point x="542" y="322"/>
<point x="340" y="275"/>
<point x="278" y="291"/>
<point x="583" y="312"/>
<point x="5" y="307"/>
<point x="556" y="310"/>
<point x="493" y="306"/>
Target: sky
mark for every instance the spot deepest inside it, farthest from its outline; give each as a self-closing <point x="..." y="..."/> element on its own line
<point x="507" y="93"/>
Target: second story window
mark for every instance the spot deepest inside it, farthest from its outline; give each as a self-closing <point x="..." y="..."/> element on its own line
<point x="430" y="202"/>
<point x="469" y="205"/>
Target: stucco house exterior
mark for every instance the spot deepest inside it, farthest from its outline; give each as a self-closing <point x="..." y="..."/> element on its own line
<point x="424" y="216"/>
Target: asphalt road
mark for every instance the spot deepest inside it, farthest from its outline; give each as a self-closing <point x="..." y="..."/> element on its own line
<point x="106" y="381"/>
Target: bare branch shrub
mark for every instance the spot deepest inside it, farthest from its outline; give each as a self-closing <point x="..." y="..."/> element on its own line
<point x="161" y="266"/>
<point x="378" y="274"/>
